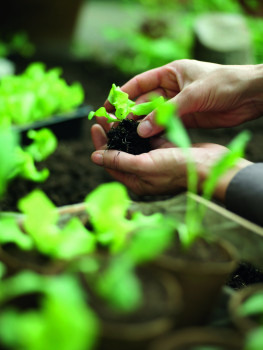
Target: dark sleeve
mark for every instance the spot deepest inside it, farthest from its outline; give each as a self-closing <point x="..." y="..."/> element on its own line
<point x="244" y="194"/>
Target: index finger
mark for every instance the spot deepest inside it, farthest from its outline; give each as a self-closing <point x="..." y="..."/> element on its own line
<point x="141" y="84"/>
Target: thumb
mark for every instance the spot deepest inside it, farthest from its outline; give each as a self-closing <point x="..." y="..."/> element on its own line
<point x="147" y="126"/>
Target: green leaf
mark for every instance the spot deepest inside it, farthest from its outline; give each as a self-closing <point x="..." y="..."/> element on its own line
<point x="49" y="327"/>
<point x="119" y="285"/>
<point x="107" y="207"/>
<point x="74" y="240"/>
<point x="37" y="94"/>
<point x="19" y="284"/>
<point x="154" y="232"/>
<point x="147" y="107"/>
<point x="40" y="220"/>
<point x="8" y="144"/>
<point x="120" y="100"/>
<point x="26" y="168"/>
<point x="176" y="132"/>
<point x="124" y="106"/>
<point x="254" y="339"/>
<point x="2" y="272"/>
<point x="101" y="112"/>
<point x="45" y="143"/>
<point x="253" y="305"/>
<point x="10" y="233"/>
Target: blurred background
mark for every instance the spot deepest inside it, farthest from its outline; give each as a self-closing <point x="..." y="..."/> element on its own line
<point x="127" y="37"/>
<point x="100" y="42"/>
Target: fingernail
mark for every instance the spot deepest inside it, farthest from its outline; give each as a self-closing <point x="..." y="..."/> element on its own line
<point x="145" y="128"/>
<point x="97" y="158"/>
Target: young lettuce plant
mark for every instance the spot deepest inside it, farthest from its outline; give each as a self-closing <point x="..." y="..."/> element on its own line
<point x="43" y="233"/>
<point x="62" y="311"/>
<point x="8" y="146"/>
<point x="20" y="161"/>
<point x="176" y="133"/>
<point x="37" y="94"/>
<point x="124" y="136"/>
<point x="107" y="207"/>
<point x="124" y="106"/>
<point x="126" y="235"/>
<point x="44" y="143"/>
<point x="253" y="307"/>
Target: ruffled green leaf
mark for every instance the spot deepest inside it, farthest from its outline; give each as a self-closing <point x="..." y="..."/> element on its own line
<point x="45" y="143"/>
<point x="108" y="217"/>
<point x="10" y="233"/>
<point x="37" y="94"/>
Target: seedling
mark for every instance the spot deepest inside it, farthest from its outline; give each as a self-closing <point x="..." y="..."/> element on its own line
<point x="37" y="94"/>
<point x="112" y="226"/>
<point x="126" y="240"/>
<point x="43" y="231"/>
<point x="253" y="307"/>
<point x="124" y="137"/>
<point x="124" y="106"/>
<point x="20" y="161"/>
<point x="62" y="311"/>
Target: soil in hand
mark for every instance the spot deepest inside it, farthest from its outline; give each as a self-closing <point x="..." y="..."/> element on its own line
<point x="124" y="137"/>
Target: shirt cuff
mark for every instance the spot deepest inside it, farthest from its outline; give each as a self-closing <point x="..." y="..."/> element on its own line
<point x="244" y="195"/>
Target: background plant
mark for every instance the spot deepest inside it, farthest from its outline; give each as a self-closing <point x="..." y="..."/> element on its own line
<point x="16" y="44"/>
<point x="37" y="94"/>
<point x="165" y="33"/>
<point x="62" y="312"/>
<point x="253" y="307"/>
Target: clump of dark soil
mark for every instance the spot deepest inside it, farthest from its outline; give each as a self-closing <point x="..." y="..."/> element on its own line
<point x="124" y="137"/>
<point x="244" y="275"/>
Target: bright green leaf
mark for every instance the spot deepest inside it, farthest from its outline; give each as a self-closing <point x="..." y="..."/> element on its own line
<point x="45" y="143"/>
<point x="10" y="233"/>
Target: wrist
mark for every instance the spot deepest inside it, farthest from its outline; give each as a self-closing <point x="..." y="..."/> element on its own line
<point x="224" y="181"/>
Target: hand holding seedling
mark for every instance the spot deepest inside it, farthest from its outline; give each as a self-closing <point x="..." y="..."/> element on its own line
<point x="162" y="170"/>
<point x="167" y="169"/>
<point x="207" y="95"/>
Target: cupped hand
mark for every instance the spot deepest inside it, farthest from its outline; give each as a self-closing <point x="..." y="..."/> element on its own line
<point x="208" y="95"/>
<point x="162" y="170"/>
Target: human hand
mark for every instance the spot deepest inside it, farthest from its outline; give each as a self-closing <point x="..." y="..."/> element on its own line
<point x="208" y="95"/>
<point x="162" y="170"/>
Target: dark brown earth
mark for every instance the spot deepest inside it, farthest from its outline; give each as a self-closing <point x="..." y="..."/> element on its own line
<point x="124" y="137"/>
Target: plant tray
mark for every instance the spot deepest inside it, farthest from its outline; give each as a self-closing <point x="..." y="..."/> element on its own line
<point x="65" y="126"/>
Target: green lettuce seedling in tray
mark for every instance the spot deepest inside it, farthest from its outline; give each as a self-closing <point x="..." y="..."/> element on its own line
<point x="37" y="94"/>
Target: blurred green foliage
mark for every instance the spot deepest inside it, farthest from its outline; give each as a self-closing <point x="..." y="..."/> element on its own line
<point x="37" y="94"/>
<point x="17" y="44"/>
<point x="166" y="32"/>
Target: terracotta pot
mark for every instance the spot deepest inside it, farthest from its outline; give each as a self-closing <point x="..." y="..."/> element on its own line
<point x="243" y="323"/>
<point x="155" y="317"/>
<point x="193" y="338"/>
<point x="201" y="280"/>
